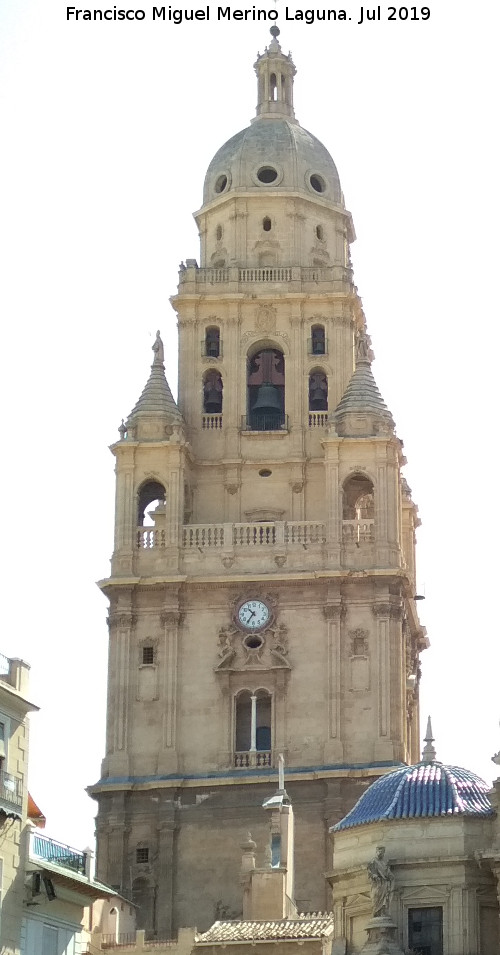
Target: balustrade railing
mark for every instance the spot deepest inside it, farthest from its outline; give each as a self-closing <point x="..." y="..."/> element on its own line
<point x="252" y="760"/>
<point x="202" y="535"/>
<point x="318" y="419"/>
<point x="58" y="853"/>
<point x="11" y="790"/>
<point x="339" y="275"/>
<point x="359" y="531"/>
<point x="253" y="534"/>
<point x="304" y="532"/>
<point x="240" y="534"/>
<point x="211" y="422"/>
<point x="149" y="537"/>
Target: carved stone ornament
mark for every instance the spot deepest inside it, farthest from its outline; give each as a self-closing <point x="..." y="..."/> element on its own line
<point x="122" y="620"/>
<point x="228" y="561"/>
<point x="359" y="642"/>
<point x="236" y="651"/>
<point x="334" y="611"/>
<point x="266" y="318"/>
<point x="280" y="560"/>
<point x="297" y="486"/>
<point x="232" y="488"/>
<point x="170" y="618"/>
<point x="388" y="610"/>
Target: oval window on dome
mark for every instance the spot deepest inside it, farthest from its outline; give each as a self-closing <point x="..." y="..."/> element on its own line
<point x="267" y="174"/>
<point x="317" y="182"/>
<point x="221" y="183"/>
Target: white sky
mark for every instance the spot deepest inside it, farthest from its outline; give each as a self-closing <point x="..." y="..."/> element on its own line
<point x="107" y="131"/>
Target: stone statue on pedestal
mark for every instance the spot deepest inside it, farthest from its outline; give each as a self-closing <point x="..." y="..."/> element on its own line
<point x="381" y="883"/>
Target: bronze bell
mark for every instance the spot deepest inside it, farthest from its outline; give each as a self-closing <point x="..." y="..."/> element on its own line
<point x="268" y="400"/>
<point x="212" y="400"/>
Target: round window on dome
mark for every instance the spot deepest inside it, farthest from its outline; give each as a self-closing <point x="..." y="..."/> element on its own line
<point x="317" y="182"/>
<point x="267" y="174"/>
<point x="221" y="183"/>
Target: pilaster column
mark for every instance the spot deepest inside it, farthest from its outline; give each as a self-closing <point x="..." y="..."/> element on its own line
<point x="253" y="724"/>
<point x="125" y="517"/>
<point x="334" y="615"/>
<point x="170" y="621"/>
<point x="332" y="498"/>
<point x="166" y="867"/>
<point x="121" y="625"/>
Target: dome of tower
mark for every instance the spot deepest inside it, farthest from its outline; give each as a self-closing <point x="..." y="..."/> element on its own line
<point x="424" y="790"/>
<point x="273" y="153"/>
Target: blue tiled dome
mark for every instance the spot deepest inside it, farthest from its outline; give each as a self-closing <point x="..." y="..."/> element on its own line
<point x="427" y="789"/>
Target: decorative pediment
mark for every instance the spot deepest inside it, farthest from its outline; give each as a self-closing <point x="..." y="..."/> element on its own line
<point x="253" y="651"/>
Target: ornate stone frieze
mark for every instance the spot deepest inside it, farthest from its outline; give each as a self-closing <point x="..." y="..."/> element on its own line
<point x="232" y="488"/>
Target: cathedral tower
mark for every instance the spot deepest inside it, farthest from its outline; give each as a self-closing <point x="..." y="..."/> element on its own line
<point x="263" y="576"/>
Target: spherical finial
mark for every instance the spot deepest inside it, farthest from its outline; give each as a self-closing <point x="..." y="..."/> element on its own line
<point x="274" y="31"/>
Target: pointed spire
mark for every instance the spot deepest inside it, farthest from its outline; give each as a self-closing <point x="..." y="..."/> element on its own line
<point x="156" y="398"/>
<point x="275" y="73"/>
<point x="362" y="395"/>
<point x="429" y="751"/>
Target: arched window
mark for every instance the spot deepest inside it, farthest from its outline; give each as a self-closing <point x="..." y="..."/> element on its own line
<point x="266" y="390"/>
<point x="253" y="735"/>
<point x="273" y="87"/>
<point x="151" y="495"/>
<point x="318" y="340"/>
<point x="318" y="391"/>
<point x="218" y="233"/>
<point x="212" y="392"/>
<point x="212" y="342"/>
<point x="358" y="509"/>
<point x="266" y="224"/>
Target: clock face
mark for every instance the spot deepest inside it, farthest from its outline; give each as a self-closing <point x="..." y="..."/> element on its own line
<point x="253" y="615"/>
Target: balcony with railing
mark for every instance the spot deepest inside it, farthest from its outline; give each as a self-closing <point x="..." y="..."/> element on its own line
<point x="252" y="759"/>
<point x="296" y="277"/>
<point x="267" y="421"/>
<point x="48" y="850"/>
<point x="361" y="531"/>
<point x="11" y="794"/>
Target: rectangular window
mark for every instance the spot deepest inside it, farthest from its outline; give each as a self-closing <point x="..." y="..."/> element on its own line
<point x="425" y="930"/>
<point x="148" y="655"/>
<point x="142" y="854"/>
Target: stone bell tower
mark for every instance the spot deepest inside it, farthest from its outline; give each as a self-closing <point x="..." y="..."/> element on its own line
<point x="263" y="578"/>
